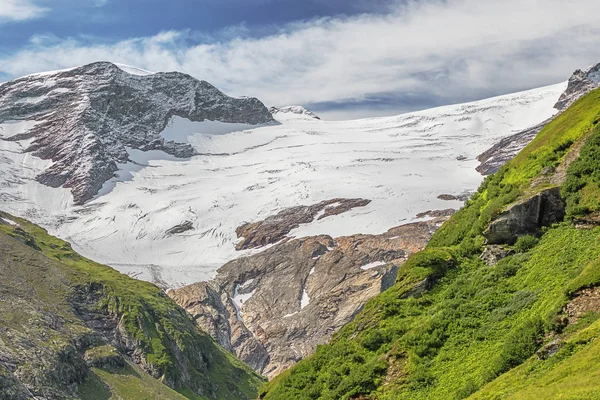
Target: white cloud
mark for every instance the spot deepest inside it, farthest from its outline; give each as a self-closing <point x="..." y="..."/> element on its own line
<point x="19" y="10"/>
<point x="447" y="50"/>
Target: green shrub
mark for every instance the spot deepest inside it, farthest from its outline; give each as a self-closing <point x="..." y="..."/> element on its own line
<point x="525" y="243"/>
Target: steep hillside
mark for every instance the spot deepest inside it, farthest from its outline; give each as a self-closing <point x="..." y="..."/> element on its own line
<point x="503" y="303"/>
<point x="71" y="328"/>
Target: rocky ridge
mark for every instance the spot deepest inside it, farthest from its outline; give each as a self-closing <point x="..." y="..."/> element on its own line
<point x="275" y="228"/>
<point x="85" y="119"/>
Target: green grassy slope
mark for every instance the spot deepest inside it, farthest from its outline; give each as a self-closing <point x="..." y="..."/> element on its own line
<point x="58" y="310"/>
<point x="469" y="329"/>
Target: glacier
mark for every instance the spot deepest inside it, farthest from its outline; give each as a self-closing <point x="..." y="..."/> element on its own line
<point x="243" y="173"/>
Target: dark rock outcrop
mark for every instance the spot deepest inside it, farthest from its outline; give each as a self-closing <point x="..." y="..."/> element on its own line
<point x="180" y="228"/>
<point x="273" y="308"/>
<point x="448" y="212"/>
<point x="526" y="217"/>
<point x="275" y="228"/>
<point x="88" y="117"/>
<point x="458" y="197"/>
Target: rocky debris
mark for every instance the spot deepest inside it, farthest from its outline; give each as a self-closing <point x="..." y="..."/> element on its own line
<point x="273" y="308"/>
<point x="584" y="301"/>
<point x="494" y="253"/>
<point x="526" y="217"/>
<point x="448" y="212"/>
<point x="505" y="150"/>
<point x="294" y="110"/>
<point x="180" y="228"/>
<point x="275" y="228"/>
<point x="87" y="117"/>
<point x="460" y="197"/>
<point x="580" y="83"/>
<point x="549" y="349"/>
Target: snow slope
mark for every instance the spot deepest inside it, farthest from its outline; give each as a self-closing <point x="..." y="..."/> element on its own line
<point x="246" y="173"/>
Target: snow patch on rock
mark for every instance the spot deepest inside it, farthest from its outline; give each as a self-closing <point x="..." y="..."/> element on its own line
<point x="372" y="265"/>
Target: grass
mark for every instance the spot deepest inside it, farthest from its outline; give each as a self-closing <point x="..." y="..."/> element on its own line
<point x="475" y="330"/>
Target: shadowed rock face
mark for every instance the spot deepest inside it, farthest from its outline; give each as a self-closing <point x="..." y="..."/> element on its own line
<point x="526" y="217"/>
<point x="88" y="116"/>
<point x="273" y="308"/>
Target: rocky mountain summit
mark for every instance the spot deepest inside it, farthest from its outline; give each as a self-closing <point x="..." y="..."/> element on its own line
<point x="293" y="111"/>
<point x="580" y="83"/>
<point x="273" y="308"/>
<point x="84" y="119"/>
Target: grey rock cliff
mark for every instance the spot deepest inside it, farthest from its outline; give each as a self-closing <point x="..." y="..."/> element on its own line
<point x="88" y="116"/>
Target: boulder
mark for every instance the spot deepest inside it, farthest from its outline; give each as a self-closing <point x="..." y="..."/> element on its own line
<point x="526" y="217"/>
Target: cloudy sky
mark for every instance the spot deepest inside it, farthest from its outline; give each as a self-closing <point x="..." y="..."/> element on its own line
<point x="342" y="58"/>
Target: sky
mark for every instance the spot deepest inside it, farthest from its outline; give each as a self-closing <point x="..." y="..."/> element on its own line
<point x="341" y="58"/>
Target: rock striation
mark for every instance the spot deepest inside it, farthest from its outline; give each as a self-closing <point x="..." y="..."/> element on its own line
<point x="273" y="308"/>
<point x="85" y="119"/>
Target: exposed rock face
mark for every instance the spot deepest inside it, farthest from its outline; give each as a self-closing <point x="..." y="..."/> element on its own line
<point x="273" y="308"/>
<point x="506" y="149"/>
<point x="88" y="116"/>
<point x="275" y="228"/>
<point x="526" y="217"/>
<point x="580" y="83"/>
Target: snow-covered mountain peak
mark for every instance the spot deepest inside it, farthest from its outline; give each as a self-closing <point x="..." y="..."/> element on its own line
<point x="84" y="119"/>
<point x="292" y="112"/>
